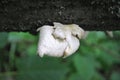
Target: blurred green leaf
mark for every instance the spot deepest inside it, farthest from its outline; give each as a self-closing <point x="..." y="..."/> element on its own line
<point x="75" y="76"/>
<point x="115" y="76"/>
<point x="32" y="49"/>
<point x="34" y="68"/>
<point x="42" y="75"/>
<point x="98" y="76"/>
<point x="95" y="37"/>
<point x="3" y="39"/>
<point x="106" y="60"/>
<point x="21" y="36"/>
<point x="84" y="66"/>
<point x="97" y="52"/>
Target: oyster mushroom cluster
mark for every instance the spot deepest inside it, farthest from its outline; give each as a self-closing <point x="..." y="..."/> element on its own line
<point x="59" y="40"/>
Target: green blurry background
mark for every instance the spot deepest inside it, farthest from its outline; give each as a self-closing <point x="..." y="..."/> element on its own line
<point x="98" y="58"/>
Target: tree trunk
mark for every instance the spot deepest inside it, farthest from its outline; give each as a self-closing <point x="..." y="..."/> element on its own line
<point x="28" y="15"/>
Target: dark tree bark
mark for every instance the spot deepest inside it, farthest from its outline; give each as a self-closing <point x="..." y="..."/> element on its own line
<point x="28" y="15"/>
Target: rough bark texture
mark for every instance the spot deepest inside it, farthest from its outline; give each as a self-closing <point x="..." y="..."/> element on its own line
<point x="28" y="15"/>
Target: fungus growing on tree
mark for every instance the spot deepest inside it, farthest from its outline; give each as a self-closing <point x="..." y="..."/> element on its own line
<point x="59" y="40"/>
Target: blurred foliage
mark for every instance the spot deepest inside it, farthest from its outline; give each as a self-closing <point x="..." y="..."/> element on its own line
<point x="98" y="58"/>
